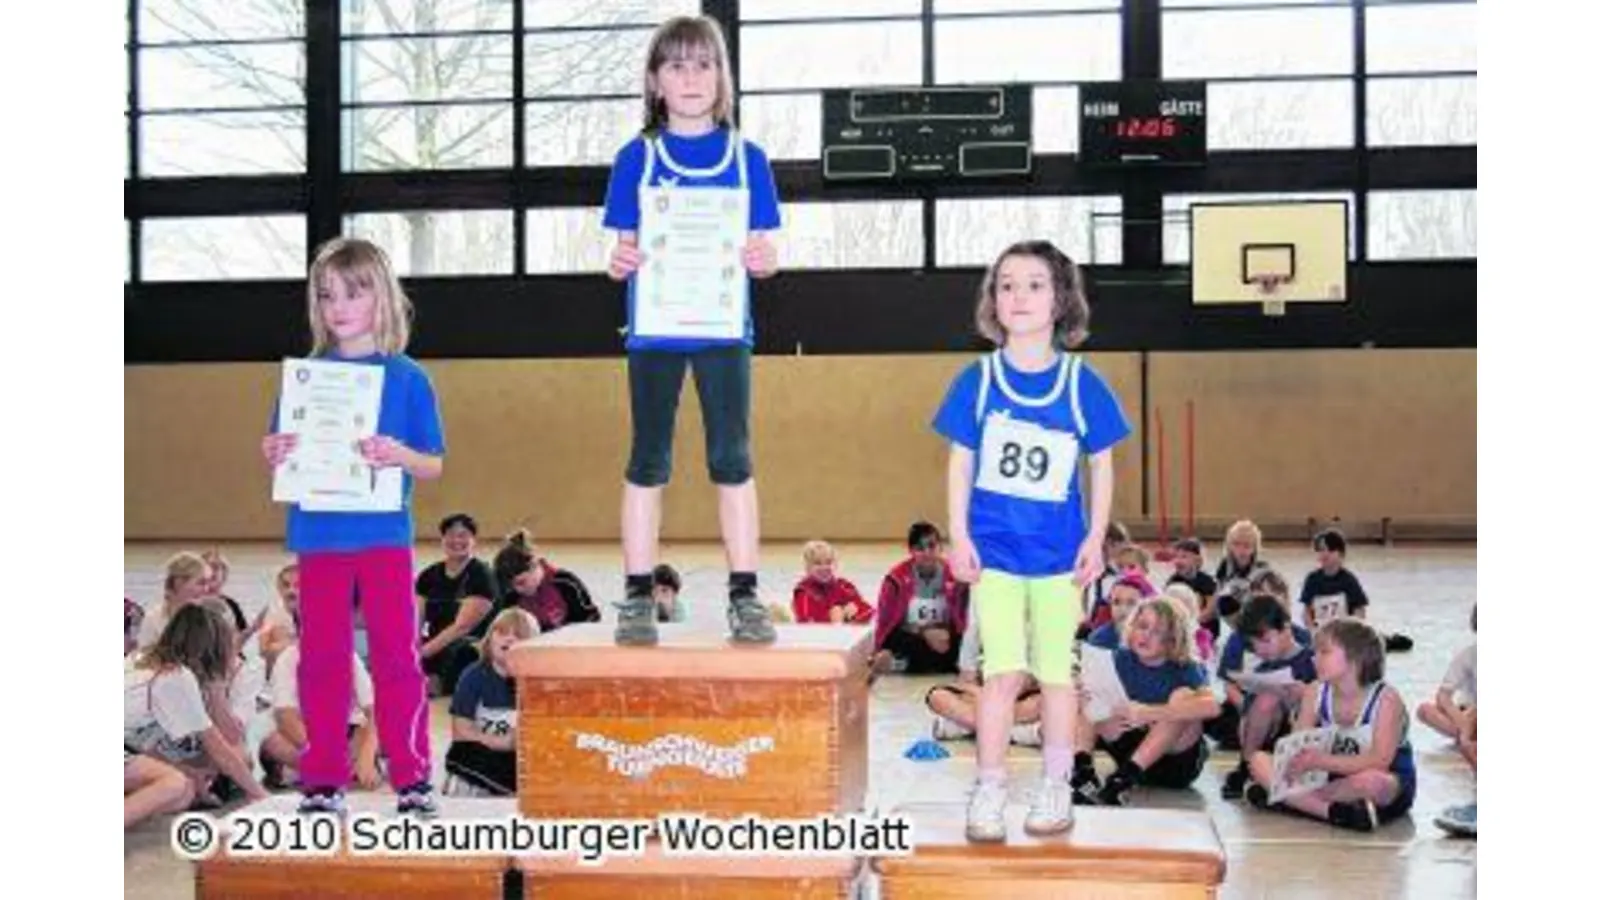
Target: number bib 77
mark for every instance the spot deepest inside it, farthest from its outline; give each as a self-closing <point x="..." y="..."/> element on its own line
<point x="1025" y="460"/>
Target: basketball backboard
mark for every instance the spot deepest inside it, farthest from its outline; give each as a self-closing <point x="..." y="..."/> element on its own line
<point x="1271" y="253"/>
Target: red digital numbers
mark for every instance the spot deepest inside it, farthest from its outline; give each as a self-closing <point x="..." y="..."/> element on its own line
<point x="1151" y="127"/>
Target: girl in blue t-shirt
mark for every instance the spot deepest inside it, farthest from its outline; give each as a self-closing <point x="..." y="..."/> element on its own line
<point x="703" y="199"/>
<point x="360" y="316"/>
<point x="483" y="711"/>
<point x="1156" y="738"/>
<point x="1018" y="422"/>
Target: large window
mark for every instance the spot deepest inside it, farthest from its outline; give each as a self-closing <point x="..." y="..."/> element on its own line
<point x="973" y="232"/>
<point x="440" y="242"/>
<point x="1422" y="225"/>
<point x="585" y="75"/>
<point x="426" y="84"/>
<point x="224" y="248"/>
<point x="221" y="87"/>
<point x="1423" y="59"/>
<point x="857" y="235"/>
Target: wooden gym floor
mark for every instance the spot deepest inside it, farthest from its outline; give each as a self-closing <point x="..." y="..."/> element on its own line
<point x="1426" y="592"/>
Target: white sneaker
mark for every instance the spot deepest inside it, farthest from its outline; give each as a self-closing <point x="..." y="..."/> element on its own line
<point x="946" y="730"/>
<point x="1051" y="809"/>
<point x="1029" y="735"/>
<point x="986" y="813"/>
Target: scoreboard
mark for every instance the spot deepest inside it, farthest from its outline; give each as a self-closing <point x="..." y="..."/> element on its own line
<point x="1142" y="123"/>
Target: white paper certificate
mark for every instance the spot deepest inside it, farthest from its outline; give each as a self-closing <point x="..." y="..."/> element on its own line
<point x="1101" y="685"/>
<point x="692" y="282"/>
<point x="332" y="406"/>
<point x="1288" y="747"/>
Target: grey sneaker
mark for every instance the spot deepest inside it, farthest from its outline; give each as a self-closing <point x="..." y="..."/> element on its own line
<point x="636" y="622"/>
<point x="749" y="619"/>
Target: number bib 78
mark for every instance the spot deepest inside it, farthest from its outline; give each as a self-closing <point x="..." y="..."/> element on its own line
<point x="1025" y="460"/>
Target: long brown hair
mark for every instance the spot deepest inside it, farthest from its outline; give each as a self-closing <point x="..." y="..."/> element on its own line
<point x="198" y="638"/>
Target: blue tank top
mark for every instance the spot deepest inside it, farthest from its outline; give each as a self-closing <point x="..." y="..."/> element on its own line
<point x="1026" y="512"/>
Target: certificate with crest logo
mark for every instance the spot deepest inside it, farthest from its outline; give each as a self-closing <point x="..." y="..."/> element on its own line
<point x="692" y="282"/>
<point x="332" y="407"/>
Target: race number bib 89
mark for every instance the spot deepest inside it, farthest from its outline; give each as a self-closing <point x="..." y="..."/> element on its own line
<point x="1025" y="460"/>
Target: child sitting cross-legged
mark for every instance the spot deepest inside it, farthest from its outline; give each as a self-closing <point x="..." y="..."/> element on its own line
<point x="1269" y="705"/>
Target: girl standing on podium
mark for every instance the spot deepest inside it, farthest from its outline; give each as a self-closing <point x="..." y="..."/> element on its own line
<point x="1018" y="420"/>
<point x="688" y="146"/>
<point x="360" y="315"/>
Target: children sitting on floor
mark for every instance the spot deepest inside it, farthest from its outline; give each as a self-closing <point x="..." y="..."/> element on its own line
<point x="1125" y="594"/>
<point x="1241" y="562"/>
<point x="483" y="712"/>
<point x="1331" y="591"/>
<point x="458" y="595"/>
<point x="1372" y="775"/>
<point x="186" y="581"/>
<point x="822" y="596"/>
<point x="922" y="610"/>
<point x="1097" y="598"/>
<point x="1155" y="738"/>
<point x="553" y="596"/>
<point x="282" y="626"/>
<point x="165" y="709"/>
<point x="1457" y="698"/>
<point x="281" y="750"/>
<point x="1205" y="644"/>
<point x="1188" y="565"/>
<point x="150" y="786"/>
<point x="1266" y="642"/>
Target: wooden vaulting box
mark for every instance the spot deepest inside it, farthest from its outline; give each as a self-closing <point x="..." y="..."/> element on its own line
<point x="1126" y="854"/>
<point x="347" y="876"/>
<point x="693" y="725"/>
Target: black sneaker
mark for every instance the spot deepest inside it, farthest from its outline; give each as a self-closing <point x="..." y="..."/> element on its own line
<point x="1257" y="796"/>
<point x="1357" y="815"/>
<point x="417" y="800"/>
<point x="322" y="801"/>
<point x="1396" y="643"/>
<point x="1116" y="790"/>
<point x="1085" y="783"/>
<point x="1233" y="785"/>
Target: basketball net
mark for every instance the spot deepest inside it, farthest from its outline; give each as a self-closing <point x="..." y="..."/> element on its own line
<point x="1270" y="304"/>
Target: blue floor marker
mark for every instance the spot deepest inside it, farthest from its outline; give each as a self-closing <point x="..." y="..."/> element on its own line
<point x="927" y="749"/>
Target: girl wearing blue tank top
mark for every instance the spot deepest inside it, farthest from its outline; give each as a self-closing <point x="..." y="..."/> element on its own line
<point x="1019" y="421"/>
<point x="1372" y="775"/>
<point x="703" y="199"/>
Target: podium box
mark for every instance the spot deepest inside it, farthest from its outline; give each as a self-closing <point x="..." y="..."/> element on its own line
<point x="693" y="725"/>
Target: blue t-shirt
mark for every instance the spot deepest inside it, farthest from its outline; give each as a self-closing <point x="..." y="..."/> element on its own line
<point x="409" y="413"/>
<point x="1106" y="637"/>
<point x="1236" y="657"/>
<point x="1065" y="414"/>
<point x="702" y="160"/>
<point x="1154" y="684"/>
<point x="486" y="698"/>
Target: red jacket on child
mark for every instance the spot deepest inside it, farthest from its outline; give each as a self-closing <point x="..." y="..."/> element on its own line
<point x="900" y="588"/>
<point x="814" y="600"/>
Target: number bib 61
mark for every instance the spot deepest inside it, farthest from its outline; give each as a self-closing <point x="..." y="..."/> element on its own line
<point x="1027" y="461"/>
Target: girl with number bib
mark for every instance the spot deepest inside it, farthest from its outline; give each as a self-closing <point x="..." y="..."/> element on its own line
<point x="703" y="199"/>
<point x="1019" y="421"/>
<point x="483" y="712"/>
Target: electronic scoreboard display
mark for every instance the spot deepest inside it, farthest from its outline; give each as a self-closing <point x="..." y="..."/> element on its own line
<point x="1142" y="123"/>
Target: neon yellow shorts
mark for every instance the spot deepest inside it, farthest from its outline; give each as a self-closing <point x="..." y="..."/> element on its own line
<point x="1028" y="619"/>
